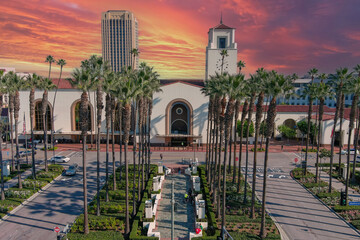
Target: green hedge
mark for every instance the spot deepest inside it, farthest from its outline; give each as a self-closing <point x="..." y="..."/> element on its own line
<point x="339" y="208"/>
<point x="103" y="235"/>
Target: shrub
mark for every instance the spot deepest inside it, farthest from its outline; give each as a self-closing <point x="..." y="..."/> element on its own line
<point x="339" y="208"/>
<point x="103" y="235"/>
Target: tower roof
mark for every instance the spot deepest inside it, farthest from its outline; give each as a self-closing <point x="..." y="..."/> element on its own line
<point x="222" y="26"/>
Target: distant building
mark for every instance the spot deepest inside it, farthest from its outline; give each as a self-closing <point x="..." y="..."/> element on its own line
<point x="119" y="35"/>
<point x="221" y="38"/>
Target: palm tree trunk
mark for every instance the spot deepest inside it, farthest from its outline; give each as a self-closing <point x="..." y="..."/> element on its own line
<point x="139" y="152"/>
<point x="2" y="168"/>
<point x="270" y="126"/>
<point x="209" y="149"/>
<point x="207" y="138"/>
<point x="16" y="117"/>
<point x="99" y="108"/>
<point x="243" y="116"/>
<point x="86" y="223"/>
<point x="11" y="107"/>
<point x="113" y="141"/>
<point x="308" y="134"/>
<point x="32" y="113"/>
<point x="351" y="127"/>
<point x="120" y="137"/>
<point x="44" y="106"/>
<point x="338" y="102"/>
<point x="321" y="112"/>
<point x="134" y="119"/>
<point x="230" y="150"/>
<point x="84" y="127"/>
<point x="259" y="111"/>
<point x="127" y="113"/>
<point x="237" y="108"/>
<point x="52" y="114"/>
<point x="251" y="106"/>
<point x="108" y="116"/>
<point x="219" y="169"/>
<point x="341" y="144"/>
<point x="353" y="179"/>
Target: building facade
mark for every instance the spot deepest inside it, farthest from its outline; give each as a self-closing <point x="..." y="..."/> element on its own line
<point x="221" y="38"/>
<point x="119" y="35"/>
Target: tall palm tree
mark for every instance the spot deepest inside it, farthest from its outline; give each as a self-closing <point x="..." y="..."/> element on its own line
<point x="310" y="92"/>
<point x="252" y="90"/>
<point x="82" y="80"/>
<point x="98" y="70"/>
<point x="245" y="110"/>
<point x="134" y="53"/>
<point x="46" y="84"/>
<point x="1" y="134"/>
<point x="356" y="139"/>
<point x="240" y="65"/>
<point x="223" y="53"/>
<point x="322" y="91"/>
<point x="14" y="84"/>
<point x="337" y="81"/>
<point x="353" y="86"/>
<point x="261" y="77"/>
<point x="50" y="59"/>
<point x="341" y="118"/>
<point x="234" y="86"/>
<point x="32" y="82"/>
<point x="61" y="63"/>
<point x="277" y="86"/>
<point x="125" y="92"/>
<point x="313" y="74"/>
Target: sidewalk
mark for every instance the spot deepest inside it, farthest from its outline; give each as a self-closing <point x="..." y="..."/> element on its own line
<point x="184" y="216"/>
<point x="353" y="195"/>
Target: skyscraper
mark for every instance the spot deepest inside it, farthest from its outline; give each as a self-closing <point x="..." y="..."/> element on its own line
<point x="119" y="35"/>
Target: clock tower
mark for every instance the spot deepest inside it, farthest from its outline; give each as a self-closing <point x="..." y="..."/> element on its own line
<point x="221" y="38"/>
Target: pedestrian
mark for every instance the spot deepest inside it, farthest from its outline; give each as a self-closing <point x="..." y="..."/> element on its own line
<point x="161" y="156"/>
<point x="175" y="206"/>
<point x="282" y="146"/>
<point x="186" y="197"/>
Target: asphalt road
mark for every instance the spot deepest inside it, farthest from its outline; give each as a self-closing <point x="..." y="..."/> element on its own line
<point x="300" y="214"/>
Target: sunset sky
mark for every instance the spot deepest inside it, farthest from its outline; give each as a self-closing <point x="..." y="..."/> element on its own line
<point x="285" y="35"/>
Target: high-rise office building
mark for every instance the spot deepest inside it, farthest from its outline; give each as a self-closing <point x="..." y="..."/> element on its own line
<point x="119" y="35"/>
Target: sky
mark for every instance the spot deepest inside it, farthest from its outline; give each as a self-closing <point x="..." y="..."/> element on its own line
<point x="289" y="36"/>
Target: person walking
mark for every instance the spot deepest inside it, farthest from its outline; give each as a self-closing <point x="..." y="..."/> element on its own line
<point x="161" y="156"/>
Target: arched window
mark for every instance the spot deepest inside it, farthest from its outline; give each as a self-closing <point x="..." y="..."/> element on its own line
<point x="38" y="121"/>
<point x="76" y="115"/>
<point x="179" y="119"/>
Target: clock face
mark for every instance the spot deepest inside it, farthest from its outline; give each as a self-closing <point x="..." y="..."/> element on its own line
<point x="219" y="63"/>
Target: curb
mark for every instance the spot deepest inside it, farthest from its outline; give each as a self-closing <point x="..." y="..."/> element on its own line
<point x="332" y="210"/>
<point x="29" y="199"/>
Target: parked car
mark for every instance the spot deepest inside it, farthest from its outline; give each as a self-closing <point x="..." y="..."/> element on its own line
<point x="352" y="151"/>
<point x="71" y="171"/>
<point x="60" y="159"/>
<point x="24" y="153"/>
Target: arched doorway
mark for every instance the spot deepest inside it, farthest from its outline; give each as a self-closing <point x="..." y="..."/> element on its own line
<point x="291" y="123"/>
<point x="179" y="123"/>
<point x="75" y="119"/>
<point x="38" y="121"/>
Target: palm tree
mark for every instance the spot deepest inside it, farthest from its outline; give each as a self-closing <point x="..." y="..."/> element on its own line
<point x="337" y="80"/>
<point x="233" y="85"/>
<point x="341" y="118"/>
<point x="50" y="59"/>
<point x="61" y="63"/>
<point x="223" y="54"/>
<point x="252" y="94"/>
<point x="83" y="81"/>
<point x="125" y="92"/>
<point x="14" y="84"/>
<point x="313" y="74"/>
<point x="46" y="84"/>
<point x="134" y="53"/>
<point x="245" y="110"/>
<point x="1" y="134"/>
<point x="353" y="86"/>
<point x="32" y="82"/>
<point x="261" y="77"/>
<point x="98" y="69"/>
<point x="310" y="92"/>
<point x="240" y="65"/>
<point x="278" y="85"/>
<point x="357" y="70"/>
<point x="322" y="91"/>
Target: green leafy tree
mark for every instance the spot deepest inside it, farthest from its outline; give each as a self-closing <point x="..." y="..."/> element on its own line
<point x="244" y="128"/>
<point x="287" y="131"/>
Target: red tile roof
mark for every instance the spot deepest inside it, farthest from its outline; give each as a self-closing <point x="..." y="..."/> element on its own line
<point x="222" y="26"/>
<point x="63" y="83"/>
